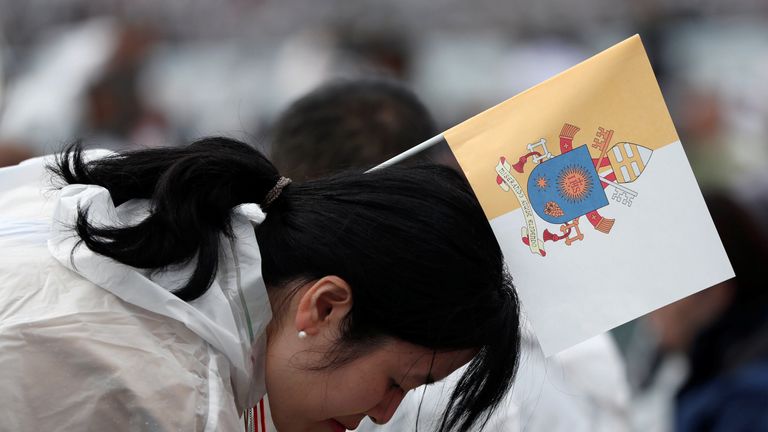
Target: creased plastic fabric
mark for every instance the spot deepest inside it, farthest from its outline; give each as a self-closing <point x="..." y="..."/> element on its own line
<point x="87" y="343"/>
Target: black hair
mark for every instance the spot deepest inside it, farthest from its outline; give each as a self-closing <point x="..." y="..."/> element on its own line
<point x="348" y="123"/>
<point x="412" y="242"/>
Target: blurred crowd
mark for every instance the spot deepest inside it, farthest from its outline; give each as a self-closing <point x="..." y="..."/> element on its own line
<point x="121" y="74"/>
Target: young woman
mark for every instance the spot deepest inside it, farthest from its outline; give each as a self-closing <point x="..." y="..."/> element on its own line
<point x="165" y="303"/>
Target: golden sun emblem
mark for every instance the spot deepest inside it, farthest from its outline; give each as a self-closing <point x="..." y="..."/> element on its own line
<point x="574" y="184"/>
<point x="541" y="182"/>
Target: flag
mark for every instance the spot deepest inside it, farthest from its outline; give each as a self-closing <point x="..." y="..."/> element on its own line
<point x="587" y="188"/>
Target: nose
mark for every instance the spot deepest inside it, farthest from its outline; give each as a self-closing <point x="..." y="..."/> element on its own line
<point x="384" y="411"/>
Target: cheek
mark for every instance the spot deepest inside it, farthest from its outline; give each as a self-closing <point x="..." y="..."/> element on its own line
<point x="350" y="394"/>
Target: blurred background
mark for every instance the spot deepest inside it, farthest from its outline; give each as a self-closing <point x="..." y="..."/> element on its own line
<point x="121" y="73"/>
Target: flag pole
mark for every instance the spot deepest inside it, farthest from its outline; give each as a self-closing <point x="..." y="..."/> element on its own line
<point x="408" y="153"/>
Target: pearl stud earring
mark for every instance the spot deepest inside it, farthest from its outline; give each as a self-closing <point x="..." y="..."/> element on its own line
<point x="302" y="334"/>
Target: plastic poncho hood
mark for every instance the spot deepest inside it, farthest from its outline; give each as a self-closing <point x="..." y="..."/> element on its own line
<point x="51" y="283"/>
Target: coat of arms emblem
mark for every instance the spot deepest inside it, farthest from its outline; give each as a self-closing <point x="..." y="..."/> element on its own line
<point x="563" y="188"/>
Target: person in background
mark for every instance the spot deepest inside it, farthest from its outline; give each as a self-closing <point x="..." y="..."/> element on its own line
<point x="356" y="124"/>
<point x="723" y="333"/>
<point x="348" y="124"/>
<point x="116" y="114"/>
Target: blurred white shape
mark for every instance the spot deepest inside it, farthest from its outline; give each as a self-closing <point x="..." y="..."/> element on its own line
<point x="303" y="62"/>
<point x="207" y="88"/>
<point x="43" y="102"/>
<point x="2" y="77"/>
<point x="530" y="63"/>
<point x="653" y="407"/>
<point x="461" y="74"/>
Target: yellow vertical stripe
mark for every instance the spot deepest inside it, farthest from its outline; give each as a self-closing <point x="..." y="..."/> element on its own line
<point x="615" y="89"/>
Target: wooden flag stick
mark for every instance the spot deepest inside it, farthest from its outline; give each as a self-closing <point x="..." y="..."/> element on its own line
<point x="408" y="153"/>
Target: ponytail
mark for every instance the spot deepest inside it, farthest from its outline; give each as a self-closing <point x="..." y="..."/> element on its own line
<point x="192" y="191"/>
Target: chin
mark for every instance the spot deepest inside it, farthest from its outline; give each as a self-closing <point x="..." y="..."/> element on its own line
<point x="324" y="426"/>
<point x="335" y="426"/>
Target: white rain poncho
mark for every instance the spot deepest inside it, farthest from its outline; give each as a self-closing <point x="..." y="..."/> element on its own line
<point x="87" y="343"/>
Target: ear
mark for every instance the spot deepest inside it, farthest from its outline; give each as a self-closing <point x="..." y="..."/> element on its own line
<point x="323" y="305"/>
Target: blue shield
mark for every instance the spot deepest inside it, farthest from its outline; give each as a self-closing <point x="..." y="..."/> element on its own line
<point x="565" y="187"/>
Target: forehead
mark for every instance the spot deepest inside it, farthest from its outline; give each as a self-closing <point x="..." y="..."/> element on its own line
<point x="416" y="365"/>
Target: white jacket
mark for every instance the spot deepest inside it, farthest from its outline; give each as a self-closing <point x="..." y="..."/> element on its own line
<point x="87" y="343"/>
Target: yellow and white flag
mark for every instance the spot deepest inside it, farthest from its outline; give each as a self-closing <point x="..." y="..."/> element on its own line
<point x="586" y="185"/>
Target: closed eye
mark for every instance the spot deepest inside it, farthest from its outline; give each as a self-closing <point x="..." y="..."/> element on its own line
<point x="394" y="384"/>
